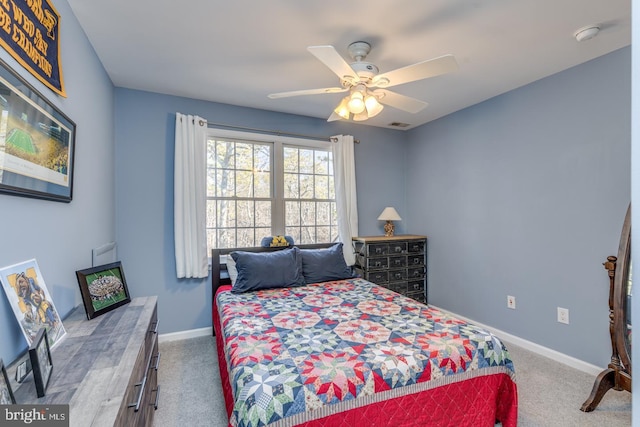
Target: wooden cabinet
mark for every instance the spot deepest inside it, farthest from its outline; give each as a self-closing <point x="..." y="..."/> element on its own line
<point x="105" y="368"/>
<point x="398" y="263"/>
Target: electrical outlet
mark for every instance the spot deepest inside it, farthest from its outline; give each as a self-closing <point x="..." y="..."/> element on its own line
<point x="511" y="302"/>
<point x="563" y="315"/>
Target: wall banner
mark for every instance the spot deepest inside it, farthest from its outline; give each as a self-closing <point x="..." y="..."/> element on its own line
<point x="29" y="31"/>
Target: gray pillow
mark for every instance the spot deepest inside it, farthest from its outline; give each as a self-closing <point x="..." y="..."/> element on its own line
<point x="324" y="265"/>
<point x="265" y="270"/>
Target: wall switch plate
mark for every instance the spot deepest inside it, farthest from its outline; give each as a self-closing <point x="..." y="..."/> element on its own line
<point x="563" y="315"/>
<point x="511" y="302"/>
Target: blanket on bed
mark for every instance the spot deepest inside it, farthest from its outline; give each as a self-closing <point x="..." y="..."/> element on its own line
<point x="295" y="355"/>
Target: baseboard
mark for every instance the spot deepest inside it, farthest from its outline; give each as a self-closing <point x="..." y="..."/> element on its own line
<point x="578" y="364"/>
<point x="508" y="338"/>
<point x="183" y="335"/>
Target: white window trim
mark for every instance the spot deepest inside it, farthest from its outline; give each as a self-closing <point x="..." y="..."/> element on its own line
<point x="278" y="142"/>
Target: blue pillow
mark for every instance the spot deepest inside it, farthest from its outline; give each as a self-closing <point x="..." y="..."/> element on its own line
<point x="323" y="265"/>
<point x="265" y="270"/>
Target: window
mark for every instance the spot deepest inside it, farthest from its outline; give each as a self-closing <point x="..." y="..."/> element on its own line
<point x="258" y="188"/>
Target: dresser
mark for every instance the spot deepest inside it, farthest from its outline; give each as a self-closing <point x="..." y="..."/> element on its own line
<point x="396" y="262"/>
<point x="104" y="368"/>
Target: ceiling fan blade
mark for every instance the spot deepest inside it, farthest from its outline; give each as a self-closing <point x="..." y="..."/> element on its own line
<point x="401" y="102"/>
<point x="422" y="70"/>
<point x="307" y="92"/>
<point x="336" y="63"/>
<point x="333" y="117"/>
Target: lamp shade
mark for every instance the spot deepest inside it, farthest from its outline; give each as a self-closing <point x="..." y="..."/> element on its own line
<point x="389" y="214"/>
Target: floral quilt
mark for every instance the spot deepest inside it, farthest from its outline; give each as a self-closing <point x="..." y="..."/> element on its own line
<point x="300" y="354"/>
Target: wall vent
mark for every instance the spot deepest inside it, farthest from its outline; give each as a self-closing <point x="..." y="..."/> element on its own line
<point x="399" y="124"/>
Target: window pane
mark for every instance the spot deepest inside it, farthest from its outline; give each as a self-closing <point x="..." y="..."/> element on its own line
<point x="307" y="235"/>
<point x="226" y="214"/>
<point x="292" y="213"/>
<point x="293" y="232"/>
<point x="322" y="187"/>
<point x="225" y="184"/>
<point x="246" y="238"/>
<point x="291" y="186"/>
<point x="245" y="213"/>
<point x="323" y="213"/>
<point x="306" y="161"/>
<point x="263" y="215"/>
<point x="322" y="162"/>
<point x="290" y="159"/>
<point x="211" y="213"/>
<point x="262" y="157"/>
<point x="226" y="238"/>
<point x="306" y="187"/>
<point x="262" y="182"/>
<point x="323" y="234"/>
<point x="244" y="156"/>
<point x="244" y="184"/>
<point x="224" y="155"/>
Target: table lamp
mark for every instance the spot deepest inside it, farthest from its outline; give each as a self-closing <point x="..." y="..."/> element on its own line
<point x="389" y="214"/>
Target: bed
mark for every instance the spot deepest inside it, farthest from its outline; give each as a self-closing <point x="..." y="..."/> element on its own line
<point x="301" y="342"/>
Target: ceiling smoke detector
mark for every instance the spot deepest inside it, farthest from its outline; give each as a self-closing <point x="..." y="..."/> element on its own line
<point x="586" y="33"/>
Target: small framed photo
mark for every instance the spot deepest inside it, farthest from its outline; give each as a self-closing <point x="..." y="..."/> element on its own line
<point x="6" y="395"/>
<point x="103" y="288"/>
<point x="41" y="362"/>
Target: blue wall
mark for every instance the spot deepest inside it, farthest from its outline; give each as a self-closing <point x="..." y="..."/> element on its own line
<point x="525" y="195"/>
<point x="145" y="125"/>
<point x="527" y="189"/>
<point x="60" y="236"/>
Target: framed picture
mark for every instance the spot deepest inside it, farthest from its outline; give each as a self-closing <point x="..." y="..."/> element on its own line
<point x="31" y="301"/>
<point x="6" y="395"/>
<point x="37" y="142"/>
<point x="41" y="362"/>
<point x="103" y="288"/>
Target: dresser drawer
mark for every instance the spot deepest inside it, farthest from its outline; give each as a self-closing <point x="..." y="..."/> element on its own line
<point x="414" y="286"/>
<point x="397" y="248"/>
<point x="415" y="247"/>
<point x="376" y="249"/>
<point x="373" y="263"/>
<point x="397" y="275"/>
<point x="378" y="277"/>
<point x="415" y="272"/>
<point x="397" y="261"/>
<point x="415" y="260"/>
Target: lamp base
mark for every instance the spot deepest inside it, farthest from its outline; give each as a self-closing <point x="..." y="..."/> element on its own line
<point x="389" y="229"/>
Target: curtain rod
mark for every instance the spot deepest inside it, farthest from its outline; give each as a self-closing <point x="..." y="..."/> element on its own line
<point x="273" y="132"/>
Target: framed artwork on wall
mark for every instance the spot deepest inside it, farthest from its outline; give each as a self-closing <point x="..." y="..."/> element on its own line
<point x="31" y="301"/>
<point x="37" y="142"/>
<point x="41" y="363"/>
<point x="103" y="288"/>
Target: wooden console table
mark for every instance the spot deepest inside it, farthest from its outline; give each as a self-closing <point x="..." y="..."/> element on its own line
<point x="104" y="368"/>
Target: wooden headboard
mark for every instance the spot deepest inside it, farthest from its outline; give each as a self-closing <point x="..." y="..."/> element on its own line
<point x="219" y="274"/>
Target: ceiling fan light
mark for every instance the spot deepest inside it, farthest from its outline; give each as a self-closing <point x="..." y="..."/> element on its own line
<point x="356" y="103"/>
<point x="373" y="106"/>
<point x="343" y="108"/>
<point x="360" y="117"/>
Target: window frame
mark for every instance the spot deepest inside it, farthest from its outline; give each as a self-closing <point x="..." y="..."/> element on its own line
<point x="277" y="164"/>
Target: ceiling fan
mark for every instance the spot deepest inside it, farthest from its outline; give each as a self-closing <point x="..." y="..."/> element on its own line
<point x="367" y="88"/>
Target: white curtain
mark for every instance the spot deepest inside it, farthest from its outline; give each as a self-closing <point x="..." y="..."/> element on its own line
<point x="190" y="197"/>
<point x="344" y="170"/>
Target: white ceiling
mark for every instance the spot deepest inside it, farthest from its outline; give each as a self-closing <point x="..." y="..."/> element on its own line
<point x="237" y="52"/>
